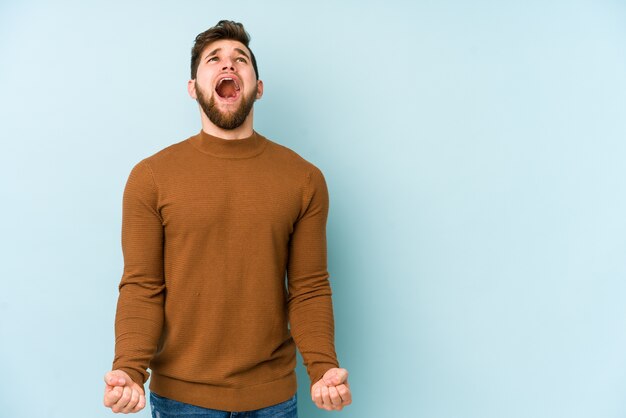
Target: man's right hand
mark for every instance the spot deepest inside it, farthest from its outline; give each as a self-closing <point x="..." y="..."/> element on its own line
<point x="121" y="394"/>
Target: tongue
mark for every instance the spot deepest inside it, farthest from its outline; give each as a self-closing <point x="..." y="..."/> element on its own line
<point x="227" y="89"/>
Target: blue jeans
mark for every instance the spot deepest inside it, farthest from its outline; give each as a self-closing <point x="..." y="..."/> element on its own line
<point x="167" y="408"/>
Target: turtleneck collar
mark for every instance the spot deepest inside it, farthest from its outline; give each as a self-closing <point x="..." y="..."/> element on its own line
<point x="229" y="148"/>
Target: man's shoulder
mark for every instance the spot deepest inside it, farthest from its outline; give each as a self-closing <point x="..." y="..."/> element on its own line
<point x="165" y="155"/>
<point x="290" y="157"/>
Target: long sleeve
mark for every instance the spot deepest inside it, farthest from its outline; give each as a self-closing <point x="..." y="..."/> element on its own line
<point x="210" y="230"/>
<point x="139" y="316"/>
<point x="309" y="303"/>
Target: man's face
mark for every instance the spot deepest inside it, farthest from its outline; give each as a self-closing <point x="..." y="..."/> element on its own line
<point x="225" y="84"/>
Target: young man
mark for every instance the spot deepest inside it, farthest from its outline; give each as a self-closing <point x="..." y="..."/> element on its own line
<point x="211" y="226"/>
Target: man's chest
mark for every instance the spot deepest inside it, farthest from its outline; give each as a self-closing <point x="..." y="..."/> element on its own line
<point x="244" y="199"/>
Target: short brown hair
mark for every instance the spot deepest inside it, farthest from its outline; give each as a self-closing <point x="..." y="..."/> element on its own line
<point x="225" y="29"/>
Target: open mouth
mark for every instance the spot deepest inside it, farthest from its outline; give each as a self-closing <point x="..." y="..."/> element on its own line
<point x="227" y="88"/>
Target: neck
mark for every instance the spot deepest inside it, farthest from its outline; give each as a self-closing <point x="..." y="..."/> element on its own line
<point x="231" y="149"/>
<point x="242" y="131"/>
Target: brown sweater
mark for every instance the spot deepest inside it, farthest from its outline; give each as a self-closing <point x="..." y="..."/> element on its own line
<point x="224" y="244"/>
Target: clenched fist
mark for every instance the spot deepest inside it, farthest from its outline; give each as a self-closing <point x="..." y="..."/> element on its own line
<point x="121" y="394"/>
<point x="332" y="391"/>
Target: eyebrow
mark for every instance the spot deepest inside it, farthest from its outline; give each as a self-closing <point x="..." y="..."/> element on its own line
<point x="242" y="52"/>
<point x="216" y="50"/>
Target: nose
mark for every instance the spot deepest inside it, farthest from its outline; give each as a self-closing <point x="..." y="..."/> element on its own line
<point x="228" y="65"/>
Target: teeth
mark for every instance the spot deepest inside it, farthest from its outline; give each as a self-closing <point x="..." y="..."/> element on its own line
<point x="229" y="79"/>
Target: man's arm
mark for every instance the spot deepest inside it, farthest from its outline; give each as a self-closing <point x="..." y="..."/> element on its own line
<point x="139" y="316"/>
<point x="310" y="304"/>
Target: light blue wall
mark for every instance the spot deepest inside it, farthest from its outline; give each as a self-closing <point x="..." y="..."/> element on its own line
<point x="475" y="157"/>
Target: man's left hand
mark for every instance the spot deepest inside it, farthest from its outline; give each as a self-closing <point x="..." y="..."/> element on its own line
<point x="332" y="391"/>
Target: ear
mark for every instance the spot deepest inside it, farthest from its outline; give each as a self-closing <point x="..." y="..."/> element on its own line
<point x="191" y="89"/>
<point x="259" y="92"/>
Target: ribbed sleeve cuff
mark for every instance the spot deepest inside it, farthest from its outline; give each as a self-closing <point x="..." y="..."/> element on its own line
<point x="136" y="376"/>
<point x="316" y="372"/>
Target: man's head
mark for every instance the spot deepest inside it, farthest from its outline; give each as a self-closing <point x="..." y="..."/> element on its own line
<point x="224" y="76"/>
<point x="225" y="29"/>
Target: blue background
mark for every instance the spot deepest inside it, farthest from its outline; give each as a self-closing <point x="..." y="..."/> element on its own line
<point x="474" y="154"/>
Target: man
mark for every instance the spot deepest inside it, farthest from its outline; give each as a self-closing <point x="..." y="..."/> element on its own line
<point x="211" y="226"/>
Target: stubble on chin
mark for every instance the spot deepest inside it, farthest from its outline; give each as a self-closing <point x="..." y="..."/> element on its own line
<point x="226" y="120"/>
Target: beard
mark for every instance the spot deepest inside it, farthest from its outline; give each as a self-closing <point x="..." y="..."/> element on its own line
<point x="226" y="120"/>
